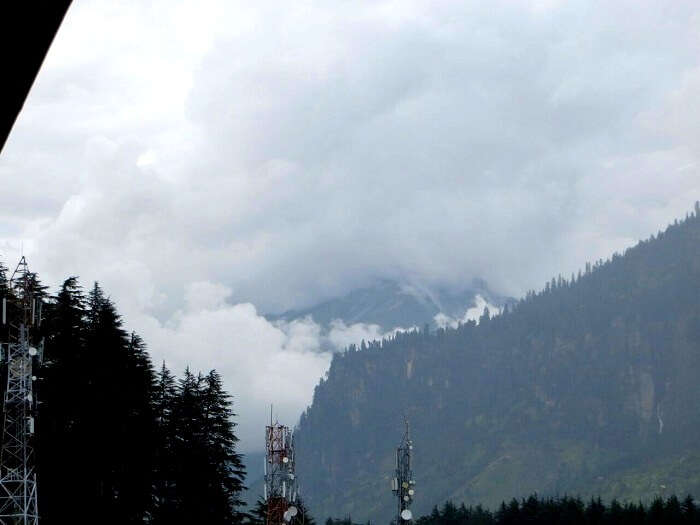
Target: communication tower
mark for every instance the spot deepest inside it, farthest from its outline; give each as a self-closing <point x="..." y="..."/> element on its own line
<point x="20" y="354"/>
<point x="280" y="480"/>
<point x="403" y="485"/>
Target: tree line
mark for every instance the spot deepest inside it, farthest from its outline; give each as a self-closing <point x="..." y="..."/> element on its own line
<point x="564" y="510"/>
<point x="568" y="511"/>
<point x="118" y="441"/>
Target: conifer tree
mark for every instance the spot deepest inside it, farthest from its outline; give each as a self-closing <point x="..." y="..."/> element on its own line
<point x="208" y="476"/>
<point x="117" y="401"/>
<point x="304" y="516"/>
<point x="164" y="398"/>
<point x="257" y="514"/>
<point x="138" y="431"/>
<point x="689" y="509"/>
<point x="190" y="477"/>
<point x="226" y="464"/>
<point x="61" y="420"/>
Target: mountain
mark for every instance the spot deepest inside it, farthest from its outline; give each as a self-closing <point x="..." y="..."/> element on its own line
<point x="388" y="304"/>
<point x="254" y="466"/>
<point x="588" y="387"/>
<point x="391" y="304"/>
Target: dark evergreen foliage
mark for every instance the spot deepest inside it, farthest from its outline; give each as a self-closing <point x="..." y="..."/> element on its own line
<point x="223" y="463"/>
<point x="165" y="460"/>
<point x="209" y="473"/>
<point x="118" y="420"/>
<point x="343" y="521"/>
<point x="536" y="510"/>
<point x="61" y="427"/>
<point x="117" y="442"/>
<point x="256" y="515"/>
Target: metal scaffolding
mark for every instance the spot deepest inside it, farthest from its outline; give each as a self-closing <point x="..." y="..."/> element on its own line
<point x="280" y="480"/>
<point x="403" y="485"/>
<point x="21" y="316"/>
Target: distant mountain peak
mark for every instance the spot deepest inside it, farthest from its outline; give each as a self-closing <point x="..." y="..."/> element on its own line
<point x="392" y="304"/>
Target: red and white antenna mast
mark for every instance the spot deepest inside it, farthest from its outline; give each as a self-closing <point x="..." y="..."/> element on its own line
<point x="280" y="479"/>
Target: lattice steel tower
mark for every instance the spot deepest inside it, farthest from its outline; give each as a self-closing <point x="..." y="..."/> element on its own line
<point x="403" y="485"/>
<point x="20" y="354"/>
<point x="280" y="480"/>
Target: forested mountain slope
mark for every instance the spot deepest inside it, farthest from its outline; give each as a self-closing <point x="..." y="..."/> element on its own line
<point x="590" y="386"/>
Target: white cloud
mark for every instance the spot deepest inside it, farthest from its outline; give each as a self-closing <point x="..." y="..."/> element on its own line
<point x="289" y="152"/>
<point x="261" y="362"/>
<point x="204" y="295"/>
<point x="471" y="314"/>
<point x="239" y="141"/>
<point x="342" y="336"/>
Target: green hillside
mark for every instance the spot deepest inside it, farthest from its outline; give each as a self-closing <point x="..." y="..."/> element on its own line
<point x="590" y="386"/>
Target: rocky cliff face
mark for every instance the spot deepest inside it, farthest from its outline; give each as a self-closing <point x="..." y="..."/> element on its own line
<point x="589" y="387"/>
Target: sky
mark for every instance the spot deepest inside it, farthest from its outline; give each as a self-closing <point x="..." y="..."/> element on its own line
<point x="209" y="161"/>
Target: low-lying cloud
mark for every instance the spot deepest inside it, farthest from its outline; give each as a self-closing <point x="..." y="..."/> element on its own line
<point x="285" y="153"/>
<point x="473" y="313"/>
<point x="269" y="362"/>
<point x="341" y="336"/>
<point x="263" y="362"/>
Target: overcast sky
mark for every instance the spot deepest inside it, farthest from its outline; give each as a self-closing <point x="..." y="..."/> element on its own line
<point x="207" y="161"/>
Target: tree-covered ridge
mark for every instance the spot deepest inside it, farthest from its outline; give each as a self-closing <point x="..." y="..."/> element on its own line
<point x="116" y="441"/>
<point x="588" y="386"/>
<point x="568" y="511"/>
<point x="536" y="510"/>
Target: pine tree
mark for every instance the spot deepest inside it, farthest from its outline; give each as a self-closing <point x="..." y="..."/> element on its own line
<point x="61" y="423"/>
<point x="226" y="465"/>
<point x="673" y="511"/>
<point x="164" y="398"/>
<point x="690" y="510"/>
<point x="258" y="513"/>
<point x="117" y="396"/>
<point x="485" y="316"/>
<point x="209" y="474"/>
<point x="139" y="431"/>
<point x="190" y="480"/>
<point x="303" y="516"/>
